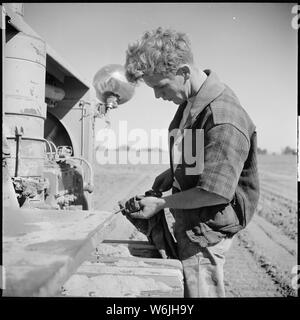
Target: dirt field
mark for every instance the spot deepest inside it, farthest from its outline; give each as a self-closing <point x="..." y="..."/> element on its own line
<point x="261" y="259"/>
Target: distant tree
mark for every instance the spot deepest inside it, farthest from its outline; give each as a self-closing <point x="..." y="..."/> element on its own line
<point x="101" y="148"/>
<point x="124" y="147"/>
<point x="149" y="149"/>
<point x="262" y="151"/>
<point x="288" y="150"/>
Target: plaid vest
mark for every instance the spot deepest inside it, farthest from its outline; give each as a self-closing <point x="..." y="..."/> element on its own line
<point x="208" y="225"/>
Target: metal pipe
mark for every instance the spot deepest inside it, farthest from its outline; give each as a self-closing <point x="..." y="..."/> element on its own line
<point x="82" y="103"/>
<point x="50" y="144"/>
<point x="18" y="140"/>
<point x="32" y="158"/>
<point x="54" y="146"/>
<point x="24" y="114"/>
<point x="82" y="130"/>
<point x="17" y="156"/>
<point x="31" y="138"/>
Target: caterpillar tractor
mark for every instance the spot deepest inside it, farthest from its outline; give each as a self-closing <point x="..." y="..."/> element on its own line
<point x="54" y="242"/>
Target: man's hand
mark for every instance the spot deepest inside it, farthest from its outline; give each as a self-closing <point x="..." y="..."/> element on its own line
<point x="131" y="205"/>
<point x="149" y="207"/>
<point x="163" y="182"/>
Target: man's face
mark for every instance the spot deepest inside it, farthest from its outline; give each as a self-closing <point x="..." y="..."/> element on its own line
<point x="170" y="88"/>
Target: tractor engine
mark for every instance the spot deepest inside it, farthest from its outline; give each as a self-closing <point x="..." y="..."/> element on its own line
<point x="48" y="126"/>
<point x="48" y="120"/>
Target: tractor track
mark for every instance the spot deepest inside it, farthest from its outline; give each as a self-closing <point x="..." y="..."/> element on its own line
<point x="281" y="282"/>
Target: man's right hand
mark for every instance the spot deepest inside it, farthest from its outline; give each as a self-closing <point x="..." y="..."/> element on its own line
<point x="163" y="182"/>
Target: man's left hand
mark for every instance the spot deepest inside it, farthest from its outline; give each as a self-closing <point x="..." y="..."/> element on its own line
<point x="149" y="207"/>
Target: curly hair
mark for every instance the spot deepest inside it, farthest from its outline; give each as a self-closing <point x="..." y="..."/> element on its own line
<point x="160" y="51"/>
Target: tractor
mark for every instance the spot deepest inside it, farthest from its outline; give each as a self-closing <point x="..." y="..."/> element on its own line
<point x="48" y="134"/>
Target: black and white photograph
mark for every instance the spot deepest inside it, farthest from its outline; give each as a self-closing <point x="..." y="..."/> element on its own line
<point x="149" y="150"/>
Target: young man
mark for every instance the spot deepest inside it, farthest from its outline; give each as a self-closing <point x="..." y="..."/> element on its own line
<point x="211" y="206"/>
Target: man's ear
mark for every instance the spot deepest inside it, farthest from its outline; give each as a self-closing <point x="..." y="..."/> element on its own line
<point x="185" y="71"/>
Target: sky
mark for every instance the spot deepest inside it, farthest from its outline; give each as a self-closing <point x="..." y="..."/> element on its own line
<point x="252" y="47"/>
